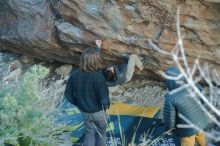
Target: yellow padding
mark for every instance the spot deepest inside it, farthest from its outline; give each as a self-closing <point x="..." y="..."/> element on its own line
<point x="74" y="139"/>
<point x="132" y="110"/>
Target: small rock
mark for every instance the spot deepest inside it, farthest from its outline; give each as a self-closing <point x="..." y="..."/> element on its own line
<point x="118" y="89"/>
<point x="15" y="65"/>
<point x="116" y="94"/>
<point x="64" y="70"/>
<point x="215" y="74"/>
<point x="59" y="82"/>
<point x="14" y="75"/>
<point x="53" y="78"/>
<point x="11" y="58"/>
<point x="51" y="61"/>
<point x="27" y="59"/>
<point x="66" y="77"/>
<point x="128" y="94"/>
<point x="42" y="63"/>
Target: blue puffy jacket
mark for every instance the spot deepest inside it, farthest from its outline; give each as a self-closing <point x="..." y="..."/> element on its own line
<point x="182" y="103"/>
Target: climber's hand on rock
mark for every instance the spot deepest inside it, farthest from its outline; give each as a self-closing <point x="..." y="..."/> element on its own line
<point x="98" y="43"/>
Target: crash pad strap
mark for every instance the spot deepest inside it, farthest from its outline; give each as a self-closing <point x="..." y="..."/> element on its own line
<point x="132" y="110"/>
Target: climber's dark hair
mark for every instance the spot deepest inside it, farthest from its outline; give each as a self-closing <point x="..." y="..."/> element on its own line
<point x="109" y="76"/>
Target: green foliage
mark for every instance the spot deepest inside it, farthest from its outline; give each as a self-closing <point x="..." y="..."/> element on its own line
<point x="25" y="116"/>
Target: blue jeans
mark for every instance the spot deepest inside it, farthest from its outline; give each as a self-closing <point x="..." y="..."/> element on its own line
<point x="95" y="128"/>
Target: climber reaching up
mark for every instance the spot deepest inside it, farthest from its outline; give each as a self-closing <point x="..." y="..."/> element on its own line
<point x="119" y="74"/>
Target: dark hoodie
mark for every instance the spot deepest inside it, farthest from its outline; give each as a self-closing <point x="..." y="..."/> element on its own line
<point x="88" y="91"/>
<point x="119" y="75"/>
<point x="182" y="103"/>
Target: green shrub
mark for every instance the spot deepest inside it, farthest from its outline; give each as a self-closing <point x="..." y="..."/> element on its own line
<point x="25" y="116"/>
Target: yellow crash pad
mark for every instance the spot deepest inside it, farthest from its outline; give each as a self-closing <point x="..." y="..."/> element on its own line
<point x="133" y="110"/>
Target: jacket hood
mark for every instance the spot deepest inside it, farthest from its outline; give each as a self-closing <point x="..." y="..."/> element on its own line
<point x="174" y="72"/>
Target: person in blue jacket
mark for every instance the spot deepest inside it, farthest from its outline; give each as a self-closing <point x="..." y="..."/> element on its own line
<point x="87" y="89"/>
<point x="181" y="103"/>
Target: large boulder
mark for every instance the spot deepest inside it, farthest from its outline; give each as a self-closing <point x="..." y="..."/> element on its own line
<point x="61" y="29"/>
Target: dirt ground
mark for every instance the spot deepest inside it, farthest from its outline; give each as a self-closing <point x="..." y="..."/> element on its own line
<point x="140" y="92"/>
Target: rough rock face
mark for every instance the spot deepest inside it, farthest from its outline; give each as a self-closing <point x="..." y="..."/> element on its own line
<point x="61" y="29"/>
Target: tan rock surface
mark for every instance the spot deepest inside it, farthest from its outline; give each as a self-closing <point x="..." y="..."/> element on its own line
<point x="61" y="29"/>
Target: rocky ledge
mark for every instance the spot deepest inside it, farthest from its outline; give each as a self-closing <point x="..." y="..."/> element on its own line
<point x="61" y="29"/>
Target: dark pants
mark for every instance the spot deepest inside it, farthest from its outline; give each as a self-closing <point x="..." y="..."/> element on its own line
<point x="95" y="128"/>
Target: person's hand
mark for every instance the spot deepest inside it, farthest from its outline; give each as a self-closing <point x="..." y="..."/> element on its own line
<point x="98" y="43"/>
